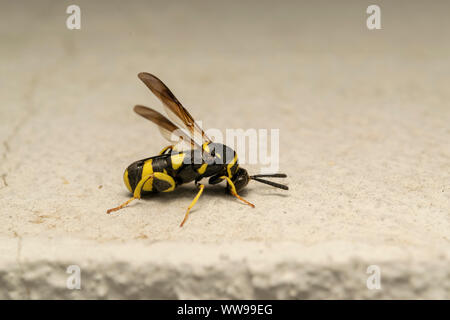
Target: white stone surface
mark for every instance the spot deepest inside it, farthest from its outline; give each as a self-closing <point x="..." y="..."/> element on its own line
<point x="364" y="122"/>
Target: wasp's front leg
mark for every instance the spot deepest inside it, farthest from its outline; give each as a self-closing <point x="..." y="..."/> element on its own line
<point x="233" y="191"/>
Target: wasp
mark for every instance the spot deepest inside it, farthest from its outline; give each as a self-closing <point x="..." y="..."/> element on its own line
<point x="176" y="165"/>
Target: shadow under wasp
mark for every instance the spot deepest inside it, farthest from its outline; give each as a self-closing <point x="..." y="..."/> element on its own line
<point x="175" y="166"/>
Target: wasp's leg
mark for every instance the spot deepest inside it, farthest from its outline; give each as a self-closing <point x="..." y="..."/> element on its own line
<point x="136" y="195"/>
<point x="156" y="181"/>
<point x="201" y="186"/>
<point x="234" y="192"/>
<point x="121" y="206"/>
<point x="166" y="149"/>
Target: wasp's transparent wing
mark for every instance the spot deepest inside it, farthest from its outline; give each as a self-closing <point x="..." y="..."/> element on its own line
<point x="174" y="109"/>
<point x="170" y="131"/>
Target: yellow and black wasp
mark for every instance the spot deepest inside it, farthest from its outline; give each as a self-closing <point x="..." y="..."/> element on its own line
<point x="173" y="167"/>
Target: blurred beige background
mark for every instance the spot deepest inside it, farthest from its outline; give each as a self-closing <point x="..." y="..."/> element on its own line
<point x="364" y="121"/>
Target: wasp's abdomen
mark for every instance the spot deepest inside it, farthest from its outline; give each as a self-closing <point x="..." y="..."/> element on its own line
<point x="133" y="174"/>
<point x="168" y="166"/>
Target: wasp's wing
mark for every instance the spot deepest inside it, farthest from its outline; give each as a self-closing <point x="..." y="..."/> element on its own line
<point x="168" y="130"/>
<point x="174" y="109"/>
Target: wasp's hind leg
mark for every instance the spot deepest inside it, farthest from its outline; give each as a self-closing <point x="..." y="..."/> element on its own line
<point x="157" y="181"/>
<point x="121" y="206"/>
<point x="136" y="194"/>
<point x="233" y="191"/>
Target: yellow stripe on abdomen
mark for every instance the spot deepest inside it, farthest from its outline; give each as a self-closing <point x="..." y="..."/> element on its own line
<point x="147" y="170"/>
<point x="126" y="180"/>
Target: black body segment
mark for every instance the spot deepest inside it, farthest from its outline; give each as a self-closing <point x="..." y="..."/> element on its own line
<point x="214" y="160"/>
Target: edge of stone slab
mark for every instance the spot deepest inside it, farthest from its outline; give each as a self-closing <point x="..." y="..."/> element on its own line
<point x="35" y="268"/>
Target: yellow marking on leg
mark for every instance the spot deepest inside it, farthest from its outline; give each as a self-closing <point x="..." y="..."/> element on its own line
<point x="136" y="195"/>
<point x="234" y="192"/>
<point x="140" y="185"/>
<point x="192" y="204"/>
<point x="121" y="206"/>
<point x="167" y="178"/>
<point x="231" y="164"/>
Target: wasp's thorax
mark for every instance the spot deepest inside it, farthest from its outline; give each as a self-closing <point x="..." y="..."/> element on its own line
<point x="221" y="159"/>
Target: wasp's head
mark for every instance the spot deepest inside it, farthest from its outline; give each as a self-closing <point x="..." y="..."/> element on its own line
<point x="240" y="179"/>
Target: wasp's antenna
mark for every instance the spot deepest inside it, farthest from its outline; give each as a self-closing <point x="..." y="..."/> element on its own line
<point x="273" y="184"/>
<point x="273" y="175"/>
<point x="257" y="177"/>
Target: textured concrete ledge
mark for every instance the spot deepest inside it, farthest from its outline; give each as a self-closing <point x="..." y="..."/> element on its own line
<point x="36" y="269"/>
